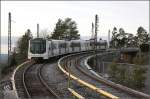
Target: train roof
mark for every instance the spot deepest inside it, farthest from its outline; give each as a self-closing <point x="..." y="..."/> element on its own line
<point x="79" y="40"/>
<point x="38" y="39"/>
<point x="56" y="40"/>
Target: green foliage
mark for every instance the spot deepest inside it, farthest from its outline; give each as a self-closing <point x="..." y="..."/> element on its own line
<point x="138" y="73"/>
<point x="7" y="68"/>
<point x="121" y="76"/>
<point x="21" y="55"/>
<point x="138" y="76"/>
<point x="145" y="47"/>
<point x="133" y="77"/>
<point x="114" y="38"/>
<point x="66" y="29"/>
<point x="13" y="60"/>
<point x="117" y="72"/>
<point x="113" y="69"/>
<point x="59" y="30"/>
<point x="122" y="39"/>
<point x="131" y="41"/>
<point x="142" y="36"/>
<point x="119" y="39"/>
<point x="138" y="60"/>
<point x="22" y="46"/>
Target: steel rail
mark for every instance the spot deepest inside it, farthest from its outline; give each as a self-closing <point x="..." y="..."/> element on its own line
<point x="24" y="83"/>
<point x="13" y="77"/>
<point x="76" y="94"/>
<point x="92" y="87"/>
<point x="94" y="76"/>
<point x="45" y="84"/>
<point x="42" y="81"/>
<point x="113" y="84"/>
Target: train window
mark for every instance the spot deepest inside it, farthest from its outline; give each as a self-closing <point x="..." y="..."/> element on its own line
<point x="62" y="45"/>
<point x="53" y="46"/>
<point x="49" y="47"/>
<point x="75" y="44"/>
<point x="38" y="46"/>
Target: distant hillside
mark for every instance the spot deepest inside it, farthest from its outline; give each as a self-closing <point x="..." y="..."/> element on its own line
<point x="3" y="58"/>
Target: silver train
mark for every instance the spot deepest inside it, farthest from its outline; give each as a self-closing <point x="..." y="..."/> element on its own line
<point x="43" y="48"/>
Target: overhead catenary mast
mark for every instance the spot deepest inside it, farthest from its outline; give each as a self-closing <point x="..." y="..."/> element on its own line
<point x="108" y="38"/>
<point x="92" y="37"/>
<point x="95" y="39"/>
<point x="96" y="30"/>
<point x="9" y="38"/>
<point x="0" y="45"/>
<point x="37" y="30"/>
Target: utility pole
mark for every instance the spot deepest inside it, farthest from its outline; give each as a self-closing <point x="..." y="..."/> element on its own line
<point x="92" y="31"/>
<point x="95" y="38"/>
<point x="92" y="36"/>
<point x="0" y="45"/>
<point x="9" y="38"/>
<point x="37" y="30"/>
<point x="96" y="29"/>
<point x="108" y="38"/>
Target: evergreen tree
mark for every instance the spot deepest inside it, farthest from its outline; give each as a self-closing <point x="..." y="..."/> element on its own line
<point x="142" y="36"/>
<point x="121" y="38"/>
<point x="23" y="42"/>
<point x="71" y="29"/>
<point x="66" y="29"/>
<point x="13" y="61"/>
<point x="59" y="30"/>
<point x="114" y="38"/>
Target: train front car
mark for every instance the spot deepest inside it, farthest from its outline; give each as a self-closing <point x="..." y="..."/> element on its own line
<point x="38" y="49"/>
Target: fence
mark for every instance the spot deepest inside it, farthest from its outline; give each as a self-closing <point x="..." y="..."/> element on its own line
<point x="105" y="60"/>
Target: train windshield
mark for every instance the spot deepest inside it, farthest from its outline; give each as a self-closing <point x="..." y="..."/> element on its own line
<point x="38" y="46"/>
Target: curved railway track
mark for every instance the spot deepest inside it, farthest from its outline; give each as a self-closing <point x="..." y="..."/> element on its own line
<point x="33" y="81"/>
<point x="87" y="90"/>
<point x="97" y="76"/>
<point x="115" y="91"/>
<point x="30" y="83"/>
<point x="75" y="65"/>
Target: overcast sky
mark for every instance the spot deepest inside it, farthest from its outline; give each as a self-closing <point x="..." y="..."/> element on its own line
<point x="122" y="14"/>
<point x="26" y="14"/>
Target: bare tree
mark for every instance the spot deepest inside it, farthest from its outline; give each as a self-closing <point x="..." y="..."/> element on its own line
<point x="44" y="33"/>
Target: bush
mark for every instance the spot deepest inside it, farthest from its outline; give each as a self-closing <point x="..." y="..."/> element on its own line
<point x="134" y="78"/>
<point x="139" y="61"/>
<point x="138" y="76"/>
<point x="145" y="47"/>
<point x="6" y="69"/>
<point x="113" y="70"/>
